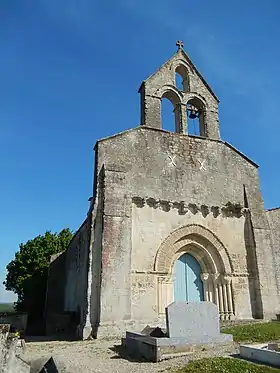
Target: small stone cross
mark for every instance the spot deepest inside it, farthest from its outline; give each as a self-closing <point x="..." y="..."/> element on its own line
<point x="202" y="167"/>
<point x="180" y="44"/>
<point x="172" y="159"/>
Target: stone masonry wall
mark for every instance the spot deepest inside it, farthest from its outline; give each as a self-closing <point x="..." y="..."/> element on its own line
<point x="151" y="163"/>
<point x="151" y="226"/>
<point x="77" y="263"/>
<point x="56" y="284"/>
<point x="274" y="223"/>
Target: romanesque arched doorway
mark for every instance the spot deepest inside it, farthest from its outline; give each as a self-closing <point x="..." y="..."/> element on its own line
<point x="188" y="285"/>
<point x="197" y="246"/>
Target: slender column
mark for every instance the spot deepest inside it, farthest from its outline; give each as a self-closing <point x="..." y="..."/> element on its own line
<point x="228" y="281"/>
<point x="186" y="84"/>
<point x="211" y="288"/>
<point x="215" y="277"/>
<point x="165" y="293"/>
<point x="203" y="124"/>
<point x="205" y="279"/>
<point x="180" y="118"/>
<point x="160" y="298"/>
<point x="221" y="303"/>
<point x="225" y="299"/>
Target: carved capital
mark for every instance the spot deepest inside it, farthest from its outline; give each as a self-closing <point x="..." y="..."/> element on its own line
<point x="205" y="277"/>
<point x="227" y="279"/>
<point x="215" y="277"/>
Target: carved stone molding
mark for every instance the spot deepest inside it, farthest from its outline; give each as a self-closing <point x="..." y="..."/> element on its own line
<point x="138" y="201"/>
<point x="204" y="210"/>
<point x="215" y="211"/>
<point x="237" y="274"/>
<point x="181" y="206"/>
<point x="207" y="257"/>
<point x="193" y="208"/>
<point x="165" y="205"/>
<point x="230" y="210"/>
<point x="152" y="202"/>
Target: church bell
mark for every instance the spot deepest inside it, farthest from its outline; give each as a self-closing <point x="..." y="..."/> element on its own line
<point x="193" y="112"/>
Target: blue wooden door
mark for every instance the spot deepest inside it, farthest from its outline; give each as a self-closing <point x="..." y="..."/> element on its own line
<point x="180" y="284"/>
<point x="188" y="285"/>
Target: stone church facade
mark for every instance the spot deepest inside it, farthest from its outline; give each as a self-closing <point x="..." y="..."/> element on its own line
<point x="173" y="217"/>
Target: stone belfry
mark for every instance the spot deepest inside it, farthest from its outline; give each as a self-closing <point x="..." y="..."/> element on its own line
<point x="195" y="100"/>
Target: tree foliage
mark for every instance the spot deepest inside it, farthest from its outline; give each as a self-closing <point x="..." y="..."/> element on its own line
<point x="27" y="273"/>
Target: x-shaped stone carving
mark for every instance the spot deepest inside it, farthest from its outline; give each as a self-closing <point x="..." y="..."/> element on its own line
<point x="172" y="159"/>
<point x="202" y="167"/>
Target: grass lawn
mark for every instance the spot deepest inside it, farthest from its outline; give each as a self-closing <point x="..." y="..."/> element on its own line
<point x="7" y="307"/>
<point x="224" y="365"/>
<point x="260" y="332"/>
<point x="263" y="332"/>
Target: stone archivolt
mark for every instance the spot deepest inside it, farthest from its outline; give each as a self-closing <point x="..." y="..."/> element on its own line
<point x="214" y="260"/>
<point x="229" y="210"/>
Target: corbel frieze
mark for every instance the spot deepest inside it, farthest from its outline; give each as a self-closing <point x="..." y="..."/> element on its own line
<point x="228" y="210"/>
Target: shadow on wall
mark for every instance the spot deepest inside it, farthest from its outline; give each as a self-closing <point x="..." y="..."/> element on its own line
<point x="251" y="258"/>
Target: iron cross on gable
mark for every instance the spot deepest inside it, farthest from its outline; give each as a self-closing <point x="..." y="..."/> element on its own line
<point x="180" y="44"/>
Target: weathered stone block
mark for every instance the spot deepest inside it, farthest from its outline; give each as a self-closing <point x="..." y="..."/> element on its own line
<point x="190" y="320"/>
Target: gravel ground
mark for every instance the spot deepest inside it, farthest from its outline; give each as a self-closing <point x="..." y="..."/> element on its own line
<point x="103" y="357"/>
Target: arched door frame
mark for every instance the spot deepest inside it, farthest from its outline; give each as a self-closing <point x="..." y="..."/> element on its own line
<point x="213" y="258"/>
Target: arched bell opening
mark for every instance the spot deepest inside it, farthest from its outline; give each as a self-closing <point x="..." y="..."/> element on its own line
<point x="182" y="78"/>
<point x="196" y="117"/>
<point x="171" y="121"/>
<point x="167" y="115"/>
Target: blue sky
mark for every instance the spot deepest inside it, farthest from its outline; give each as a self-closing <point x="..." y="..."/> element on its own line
<point x="70" y="71"/>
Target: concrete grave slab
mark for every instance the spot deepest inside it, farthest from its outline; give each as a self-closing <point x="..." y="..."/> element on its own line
<point x="188" y="330"/>
<point x="266" y="353"/>
<point x="192" y="320"/>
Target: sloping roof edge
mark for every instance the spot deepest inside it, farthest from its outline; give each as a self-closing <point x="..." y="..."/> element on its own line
<point x="272" y="209"/>
<point x="193" y="66"/>
<point x="242" y="154"/>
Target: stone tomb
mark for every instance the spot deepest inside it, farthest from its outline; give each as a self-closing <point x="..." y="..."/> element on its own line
<point x="194" y="321"/>
<point x="189" y="327"/>
<point x="266" y="353"/>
